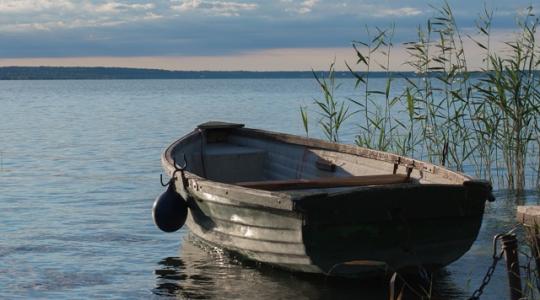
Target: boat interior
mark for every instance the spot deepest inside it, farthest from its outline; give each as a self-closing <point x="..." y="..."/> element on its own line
<point x="240" y="156"/>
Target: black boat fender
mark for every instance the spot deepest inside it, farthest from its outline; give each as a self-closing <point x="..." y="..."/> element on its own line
<point x="170" y="209"/>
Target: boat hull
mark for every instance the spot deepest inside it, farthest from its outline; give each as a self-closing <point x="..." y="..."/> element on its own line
<point x="364" y="234"/>
<point x="354" y="231"/>
<point x="427" y="226"/>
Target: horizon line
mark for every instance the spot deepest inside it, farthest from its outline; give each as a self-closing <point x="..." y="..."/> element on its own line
<point x="192" y="70"/>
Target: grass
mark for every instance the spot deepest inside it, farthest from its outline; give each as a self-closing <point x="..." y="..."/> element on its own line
<point x="333" y="113"/>
<point x="488" y="119"/>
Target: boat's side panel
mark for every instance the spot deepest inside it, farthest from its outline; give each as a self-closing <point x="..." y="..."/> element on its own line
<point x="289" y="161"/>
<point x="429" y="172"/>
<point x="424" y="225"/>
<point x="398" y="228"/>
<point x="284" y="161"/>
<point x="266" y="235"/>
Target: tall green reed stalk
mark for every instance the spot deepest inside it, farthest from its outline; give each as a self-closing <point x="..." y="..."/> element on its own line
<point x="443" y="90"/>
<point x="488" y="119"/>
<point x="377" y="127"/>
<point x="333" y="112"/>
<point x="305" y="119"/>
<point x="512" y="92"/>
<point x="485" y="116"/>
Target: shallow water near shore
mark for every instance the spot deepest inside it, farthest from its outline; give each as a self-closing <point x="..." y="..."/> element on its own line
<point x="79" y="170"/>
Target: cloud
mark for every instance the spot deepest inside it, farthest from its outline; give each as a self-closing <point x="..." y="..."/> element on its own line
<point x="152" y="16"/>
<point x="307" y="6"/>
<point x="302" y="8"/>
<point x="29" y="15"/>
<point x="398" y="12"/>
<point x="78" y="28"/>
<point x="187" y="5"/>
<point x="222" y="8"/>
<point x="18" y="6"/>
<point x="63" y="25"/>
<point x="113" y="7"/>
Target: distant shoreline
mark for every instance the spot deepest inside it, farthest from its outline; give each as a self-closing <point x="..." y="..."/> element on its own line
<point x="108" y="73"/>
<point x="67" y="73"/>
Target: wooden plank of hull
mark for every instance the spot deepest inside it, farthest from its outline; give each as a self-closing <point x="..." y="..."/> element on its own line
<point x="248" y="228"/>
<point x="272" y="252"/>
<point x="297" y="263"/>
<point x="227" y="209"/>
<point x="257" y="232"/>
<point x="235" y="195"/>
<point x="228" y="241"/>
<point x="249" y="223"/>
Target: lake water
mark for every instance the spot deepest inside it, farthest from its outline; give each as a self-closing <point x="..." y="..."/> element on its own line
<point x="79" y="170"/>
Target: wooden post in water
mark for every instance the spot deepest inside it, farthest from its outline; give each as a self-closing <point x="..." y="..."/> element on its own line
<point x="529" y="217"/>
<point x="510" y="247"/>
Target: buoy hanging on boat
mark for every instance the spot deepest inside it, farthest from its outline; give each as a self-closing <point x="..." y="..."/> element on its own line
<point x="169" y="210"/>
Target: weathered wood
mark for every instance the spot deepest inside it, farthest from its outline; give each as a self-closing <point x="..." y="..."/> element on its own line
<point x="528" y="215"/>
<point x="315" y="230"/>
<point x="355" y="150"/>
<point x="326" y="182"/>
<point x="510" y="248"/>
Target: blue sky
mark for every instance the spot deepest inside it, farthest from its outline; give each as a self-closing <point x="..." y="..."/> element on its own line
<point x="212" y="34"/>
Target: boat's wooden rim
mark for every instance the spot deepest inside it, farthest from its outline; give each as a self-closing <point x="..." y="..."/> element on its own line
<point x="284" y="200"/>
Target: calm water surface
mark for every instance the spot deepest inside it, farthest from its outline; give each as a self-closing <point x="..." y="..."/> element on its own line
<point x="79" y="169"/>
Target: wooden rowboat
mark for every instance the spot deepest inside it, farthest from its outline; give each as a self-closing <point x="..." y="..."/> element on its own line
<point x="313" y="206"/>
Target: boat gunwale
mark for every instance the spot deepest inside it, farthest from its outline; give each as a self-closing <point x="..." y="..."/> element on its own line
<point x="285" y="201"/>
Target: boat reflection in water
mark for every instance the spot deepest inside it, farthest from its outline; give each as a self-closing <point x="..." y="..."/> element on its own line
<point x="203" y="272"/>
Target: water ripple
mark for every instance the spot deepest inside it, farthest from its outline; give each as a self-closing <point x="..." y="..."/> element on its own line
<point x="77" y="184"/>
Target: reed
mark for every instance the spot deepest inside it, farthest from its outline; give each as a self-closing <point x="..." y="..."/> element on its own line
<point x="333" y="112"/>
<point x="305" y="119"/>
<point x="511" y="90"/>
<point x="485" y="116"/>
<point x="377" y="127"/>
<point x="486" y="120"/>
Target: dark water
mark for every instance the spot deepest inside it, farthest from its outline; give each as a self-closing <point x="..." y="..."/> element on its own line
<point x="79" y="169"/>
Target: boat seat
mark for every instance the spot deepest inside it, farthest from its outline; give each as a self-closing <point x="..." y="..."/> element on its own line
<point x="327" y="182"/>
<point x="225" y="162"/>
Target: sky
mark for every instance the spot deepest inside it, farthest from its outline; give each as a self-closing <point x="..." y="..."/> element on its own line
<point x="221" y="35"/>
